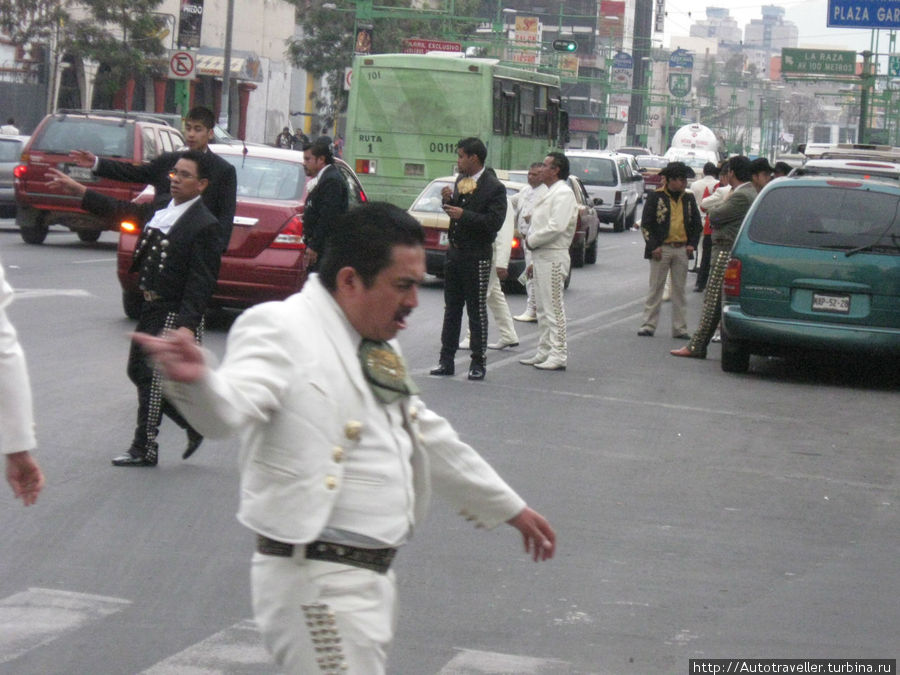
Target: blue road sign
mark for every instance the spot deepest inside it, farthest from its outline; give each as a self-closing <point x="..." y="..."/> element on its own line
<point x="681" y="58"/>
<point x="864" y="13"/>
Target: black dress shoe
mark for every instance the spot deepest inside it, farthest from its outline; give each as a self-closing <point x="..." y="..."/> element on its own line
<point x="442" y="369"/>
<point x="477" y="372"/>
<point x="194" y="441"/>
<point x="130" y="460"/>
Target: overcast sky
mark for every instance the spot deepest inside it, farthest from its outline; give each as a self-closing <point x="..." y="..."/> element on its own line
<point x="810" y="16"/>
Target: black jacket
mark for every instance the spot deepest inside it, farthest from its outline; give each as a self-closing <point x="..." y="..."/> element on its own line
<point x="219" y="196"/>
<point x="483" y="213"/>
<point x="656" y="219"/>
<point x="328" y="199"/>
<point x="181" y="266"/>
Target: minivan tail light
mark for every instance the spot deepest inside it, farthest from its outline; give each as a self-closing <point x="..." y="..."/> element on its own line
<point x="291" y="235"/>
<point x="20" y="171"/>
<point x="618" y="199"/>
<point x="731" y="283"/>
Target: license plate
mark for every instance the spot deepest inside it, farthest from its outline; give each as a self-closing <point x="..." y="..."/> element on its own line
<point x="822" y="302"/>
<point x="444" y="239"/>
<point x="79" y="173"/>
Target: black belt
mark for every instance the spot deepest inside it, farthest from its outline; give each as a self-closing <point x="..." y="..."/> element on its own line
<point x="375" y="559"/>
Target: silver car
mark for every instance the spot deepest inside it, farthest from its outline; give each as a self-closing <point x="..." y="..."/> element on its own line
<point x="10" y="152"/>
<point x="613" y="177"/>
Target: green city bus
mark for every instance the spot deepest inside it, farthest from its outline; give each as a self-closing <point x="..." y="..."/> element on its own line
<point x="407" y="111"/>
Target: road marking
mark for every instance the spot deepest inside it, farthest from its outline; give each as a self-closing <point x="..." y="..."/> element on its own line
<point x="94" y="260"/>
<point x="237" y="650"/>
<point x="38" y="616"/>
<point x="472" y="662"/>
<point x="31" y="293"/>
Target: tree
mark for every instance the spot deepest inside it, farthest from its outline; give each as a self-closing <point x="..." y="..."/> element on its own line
<point x="30" y="21"/>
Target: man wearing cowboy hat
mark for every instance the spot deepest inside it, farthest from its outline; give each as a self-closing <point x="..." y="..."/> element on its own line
<point x="671" y="226"/>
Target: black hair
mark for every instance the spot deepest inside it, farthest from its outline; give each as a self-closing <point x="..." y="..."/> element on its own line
<point x="473" y="146"/>
<point x="710" y="169"/>
<point x="201" y="114"/>
<point x="364" y="239"/>
<point x="783" y="168"/>
<point x="741" y="167"/>
<point x="200" y="159"/>
<point x="321" y="147"/>
<point x="561" y="162"/>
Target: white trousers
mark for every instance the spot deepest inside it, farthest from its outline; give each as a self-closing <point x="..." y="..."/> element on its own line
<point x="496" y="302"/>
<point x="323" y="618"/>
<point x="530" y="306"/>
<point x="673" y="260"/>
<point x="550" y="269"/>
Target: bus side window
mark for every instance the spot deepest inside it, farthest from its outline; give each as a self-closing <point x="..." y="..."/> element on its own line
<point x="526" y="110"/>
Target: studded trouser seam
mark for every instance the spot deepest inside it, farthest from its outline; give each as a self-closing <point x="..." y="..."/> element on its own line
<point x="325" y="637"/>
<point x="712" y="301"/>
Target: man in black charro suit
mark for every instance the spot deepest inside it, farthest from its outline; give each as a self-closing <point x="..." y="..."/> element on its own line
<point x="177" y="260"/>
<point x="477" y="206"/>
<point x="219" y="196"/>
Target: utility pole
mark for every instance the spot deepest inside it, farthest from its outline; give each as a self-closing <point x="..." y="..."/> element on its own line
<point x="866" y="78"/>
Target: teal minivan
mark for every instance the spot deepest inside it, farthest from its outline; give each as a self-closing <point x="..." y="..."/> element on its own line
<point x="815" y="268"/>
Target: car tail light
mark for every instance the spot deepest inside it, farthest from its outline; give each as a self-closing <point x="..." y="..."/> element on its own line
<point x="20" y="171"/>
<point x="731" y="283"/>
<point x="517" y="249"/>
<point x="128" y="227"/>
<point x="618" y="199"/>
<point x="366" y="166"/>
<point x="291" y="235"/>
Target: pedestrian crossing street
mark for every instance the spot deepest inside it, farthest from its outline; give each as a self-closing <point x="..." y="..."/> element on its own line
<point x="34" y="618"/>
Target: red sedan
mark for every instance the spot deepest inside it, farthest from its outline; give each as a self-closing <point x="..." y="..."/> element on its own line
<point x="265" y="257"/>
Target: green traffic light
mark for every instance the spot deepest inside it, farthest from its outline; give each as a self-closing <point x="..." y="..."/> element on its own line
<point x="565" y="45"/>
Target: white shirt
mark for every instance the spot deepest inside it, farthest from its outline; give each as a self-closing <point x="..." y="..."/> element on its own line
<point x="9" y="130"/>
<point x="164" y="219"/>
<point x="524" y="202"/>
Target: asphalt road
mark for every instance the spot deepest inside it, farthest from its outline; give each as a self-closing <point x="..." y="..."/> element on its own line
<point x="699" y="514"/>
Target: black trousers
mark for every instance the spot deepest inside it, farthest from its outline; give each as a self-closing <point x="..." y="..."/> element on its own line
<point x="154" y="319"/>
<point x="703" y="272"/>
<point x="466" y="276"/>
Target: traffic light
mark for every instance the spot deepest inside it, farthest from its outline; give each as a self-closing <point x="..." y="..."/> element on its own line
<point x="565" y="45"/>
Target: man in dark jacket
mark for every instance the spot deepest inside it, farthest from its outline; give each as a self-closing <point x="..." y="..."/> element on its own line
<point x="177" y="260"/>
<point x="219" y="196"/>
<point x="326" y="199"/>
<point x="477" y="206"/>
<point x="671" y="226"/>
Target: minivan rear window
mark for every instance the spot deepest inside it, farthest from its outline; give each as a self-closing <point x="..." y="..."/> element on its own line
<point x="10" y="150"/>
<point x="105" y="139"/>
<point x="594" y="170"/>
<point x="830" y="217"/>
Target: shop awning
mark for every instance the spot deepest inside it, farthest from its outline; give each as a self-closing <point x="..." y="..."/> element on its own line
<point x="242" y="67"/>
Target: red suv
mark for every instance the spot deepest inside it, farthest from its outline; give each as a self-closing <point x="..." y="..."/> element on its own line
<point x="125" y="137"/>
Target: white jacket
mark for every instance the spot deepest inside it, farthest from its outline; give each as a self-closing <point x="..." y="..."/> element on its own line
<point x="16" y="411"/>
<point x="503" y="240"/>
<point x="292" y="385"/>
<point x="554" y="218"/>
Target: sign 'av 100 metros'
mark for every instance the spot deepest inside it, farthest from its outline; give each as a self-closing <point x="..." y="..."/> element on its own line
<point x="864" y="13"/>
<point x="827" y="62"/>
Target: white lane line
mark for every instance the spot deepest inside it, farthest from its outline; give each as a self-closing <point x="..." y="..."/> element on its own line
<point x="237" y="650"/>
<point x="31" y="293"/>
<point x="38" y="616"/>
<point x="94" y="260"/>
<point x="472" y="662"/>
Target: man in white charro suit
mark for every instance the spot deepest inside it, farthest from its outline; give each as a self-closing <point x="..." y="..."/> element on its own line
<point x="550" y="234"/>
<point x="339" y="453"/>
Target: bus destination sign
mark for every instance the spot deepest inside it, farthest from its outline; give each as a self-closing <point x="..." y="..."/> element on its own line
<point x="422" y="46"/>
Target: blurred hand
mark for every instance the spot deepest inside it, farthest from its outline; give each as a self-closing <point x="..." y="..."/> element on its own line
<point x="24" y="476"/>
<point x="538" y="536"/>
<point x="176" y="354"/>
<point x="83" y="158"/>
<point x="446" y="192"/>
<point x="656" y="253"/>
<point x="529" y="272"/>
<point x="65" y="183"/>
<point x="502" y="273"/>
<point x="455" y="212"/>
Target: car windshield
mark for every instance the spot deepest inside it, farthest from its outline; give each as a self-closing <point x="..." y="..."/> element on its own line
<point x="264" y="178"/>
<point x="831" y="216"/>
<point x="594" y="170"/>
<point x="430" y="199"/>
<point x="651" y="162"/>
<point x="10" y="151"/>
<point x="104" y="138"/>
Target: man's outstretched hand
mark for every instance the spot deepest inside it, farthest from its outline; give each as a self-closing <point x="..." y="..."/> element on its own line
<point x="177" y="354"/>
